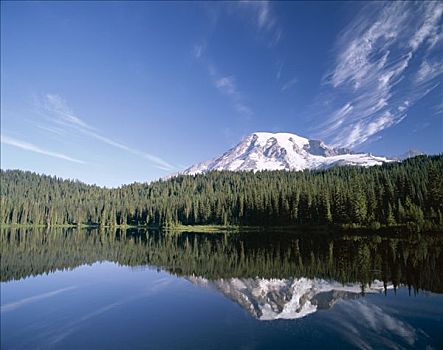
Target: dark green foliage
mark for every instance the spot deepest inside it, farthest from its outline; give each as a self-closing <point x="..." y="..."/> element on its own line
<point x="410" y="192"/>
<point x="409" y="260"/>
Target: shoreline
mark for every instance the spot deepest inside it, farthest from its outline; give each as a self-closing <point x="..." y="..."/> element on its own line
<point x="180" y="228"/>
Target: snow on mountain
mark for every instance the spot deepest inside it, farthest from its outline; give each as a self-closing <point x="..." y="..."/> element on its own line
<point x="271" y="299"/>
<point x="409" y="154"/>
<point x="283" y="151"/>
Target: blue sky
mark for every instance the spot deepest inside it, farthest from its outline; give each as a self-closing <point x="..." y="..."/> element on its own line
<point x="117" y="92"/>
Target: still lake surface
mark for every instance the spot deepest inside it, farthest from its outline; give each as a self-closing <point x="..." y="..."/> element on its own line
<point x="138" y="289"/>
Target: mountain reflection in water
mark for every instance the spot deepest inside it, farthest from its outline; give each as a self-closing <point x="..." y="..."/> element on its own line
<point x="114" y="289"/>
<point x="272" y="299"/>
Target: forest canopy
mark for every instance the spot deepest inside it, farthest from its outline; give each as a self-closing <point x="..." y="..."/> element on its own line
<point x="410" y="192"/>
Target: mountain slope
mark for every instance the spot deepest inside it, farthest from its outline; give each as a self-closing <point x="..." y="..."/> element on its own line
<point x="409" y="154"/>
<point x="283" y="151"/>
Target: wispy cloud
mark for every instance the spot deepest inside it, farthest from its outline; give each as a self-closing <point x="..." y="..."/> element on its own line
<point x="227" y="86"/>
<point x="59" y="107"/>
<point x="428" y="71"/>
<point x="198" y="50"/>
<point x="430" y="27"/>
<point x="258" y="15"/>
<point x="289" y="84"/>
<point x="52" y="129"/>
<point x="375" y="79"/>
<point x="438" y="109"/>
<point x="263" y="17"/>
<point x="58" y="112"/>
<point x="36" y="149"/>
<point x="279" y="66"/>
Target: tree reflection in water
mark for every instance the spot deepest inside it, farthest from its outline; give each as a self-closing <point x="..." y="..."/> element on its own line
<point x="414" y="261"/>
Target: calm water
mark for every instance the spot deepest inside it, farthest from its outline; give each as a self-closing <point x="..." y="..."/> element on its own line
<point x="79" y="289"/>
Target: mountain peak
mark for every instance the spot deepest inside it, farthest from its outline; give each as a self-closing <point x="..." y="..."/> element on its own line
<point x="282" y="151"/>
<point x="281" y="137"/>
<point x="409" y="154"/>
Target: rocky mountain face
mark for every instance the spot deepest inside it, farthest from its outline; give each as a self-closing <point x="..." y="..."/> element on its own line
<point x="283" y="151"/>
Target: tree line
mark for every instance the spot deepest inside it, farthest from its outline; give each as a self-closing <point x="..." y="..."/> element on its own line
<point x="410" y="192"/>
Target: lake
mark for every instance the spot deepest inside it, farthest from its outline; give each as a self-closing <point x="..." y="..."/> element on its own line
<point x="140" y="289"/>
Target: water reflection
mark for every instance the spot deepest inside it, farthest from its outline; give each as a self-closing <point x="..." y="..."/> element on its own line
<point x="272" y="299"/>
<point x="368" y="326"/>
<point x="35" y="298"/>
<point x="118" y="289"/>
<point x="414" y="262"/>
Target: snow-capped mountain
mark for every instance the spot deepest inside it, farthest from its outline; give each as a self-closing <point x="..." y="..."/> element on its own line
<point x="283" y="151"/>
<point x="409" y="154"/>
<point x="271" y="299"/>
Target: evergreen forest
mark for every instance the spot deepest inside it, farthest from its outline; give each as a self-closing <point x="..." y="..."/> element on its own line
<point x="394" y="194"/>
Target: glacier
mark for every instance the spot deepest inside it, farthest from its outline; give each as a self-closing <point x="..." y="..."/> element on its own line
<point x="283" y="151"/>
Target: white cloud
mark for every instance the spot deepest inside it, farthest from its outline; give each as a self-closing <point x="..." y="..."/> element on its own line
<point x="373" y="69"/>
<point x="259" y="15"/>
<point x="198" y="51"/>
<point x="57" y="105"/>
<point x="430" y="27"/>
<point x="360" y="40"/>
<point x="243" y="109"/>
<point x="263" y="17"/>
<point x="342" y="112"/>
<point x="36" y="149"/>
<point x="404" y="106"/>
<point x="289" y="84"/>
<point x="280" y="65"/>
<point x="428" y="71"/>
<point x="438" y="109"/>
<point x="226" y="85"/>
<point x="59" y="112"/>
<point x="54" y="130"/>
<point x="159" y="162"/>
<point x="263" y="14"/>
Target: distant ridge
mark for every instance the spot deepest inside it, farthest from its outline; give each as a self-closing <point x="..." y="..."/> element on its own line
<point x="409" y="154"/>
